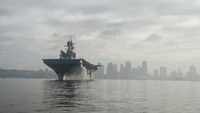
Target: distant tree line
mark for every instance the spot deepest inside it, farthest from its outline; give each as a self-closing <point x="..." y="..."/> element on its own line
<point x="13" y="73"/>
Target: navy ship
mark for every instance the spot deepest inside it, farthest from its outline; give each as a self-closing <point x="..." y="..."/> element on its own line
<point x="69" y="67"/>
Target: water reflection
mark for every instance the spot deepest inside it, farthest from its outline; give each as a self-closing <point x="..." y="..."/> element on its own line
<point x="120" y="96"/>
<point x="95" y="96"/>
<point x="98" y="96"/>
<point x="66" y="94"/>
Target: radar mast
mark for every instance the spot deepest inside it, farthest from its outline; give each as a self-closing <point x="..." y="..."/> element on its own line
<point x="69" y="54"/>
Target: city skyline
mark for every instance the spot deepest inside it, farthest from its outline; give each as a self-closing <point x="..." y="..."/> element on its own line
<point x="111" y="71"/>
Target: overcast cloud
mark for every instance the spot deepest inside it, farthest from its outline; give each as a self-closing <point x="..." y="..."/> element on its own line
<point x="163" y="32"/>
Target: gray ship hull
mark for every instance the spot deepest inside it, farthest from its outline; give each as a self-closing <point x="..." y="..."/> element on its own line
<point x="72" y="69"/>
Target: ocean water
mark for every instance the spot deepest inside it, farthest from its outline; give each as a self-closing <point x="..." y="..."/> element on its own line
<point x="98" y="96"/>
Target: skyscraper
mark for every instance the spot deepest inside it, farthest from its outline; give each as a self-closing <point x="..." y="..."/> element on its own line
<point x="139" y="72"/>
<point x="144" y="68"/>
<point x="115" y="72"/>
<point x="192" y="72"/>
<point x="121" y="71"/>
<point x="128" y="69"/>
<point x="173" y="74"/>
<point x="179" y="73"/>
<point x="163" y="71"/>
<point x="109" y="70"/>
<point x="156" y="73"/>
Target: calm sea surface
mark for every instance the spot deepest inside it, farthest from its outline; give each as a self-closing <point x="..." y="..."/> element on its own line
<point x="98" y="96"/>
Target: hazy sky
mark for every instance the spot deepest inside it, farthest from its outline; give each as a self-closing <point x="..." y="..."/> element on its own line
<point x="163" y="32"/>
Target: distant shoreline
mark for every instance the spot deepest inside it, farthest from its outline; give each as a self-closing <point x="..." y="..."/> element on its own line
<point x="103" y="79"/>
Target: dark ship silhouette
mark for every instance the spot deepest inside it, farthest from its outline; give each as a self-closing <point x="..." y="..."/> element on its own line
<point x="69" y="66"/>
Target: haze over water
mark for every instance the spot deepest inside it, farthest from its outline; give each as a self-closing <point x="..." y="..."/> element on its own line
<point x="98" y="96"/>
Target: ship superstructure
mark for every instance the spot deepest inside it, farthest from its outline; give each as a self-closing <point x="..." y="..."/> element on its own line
<point x="69" y="67"/>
